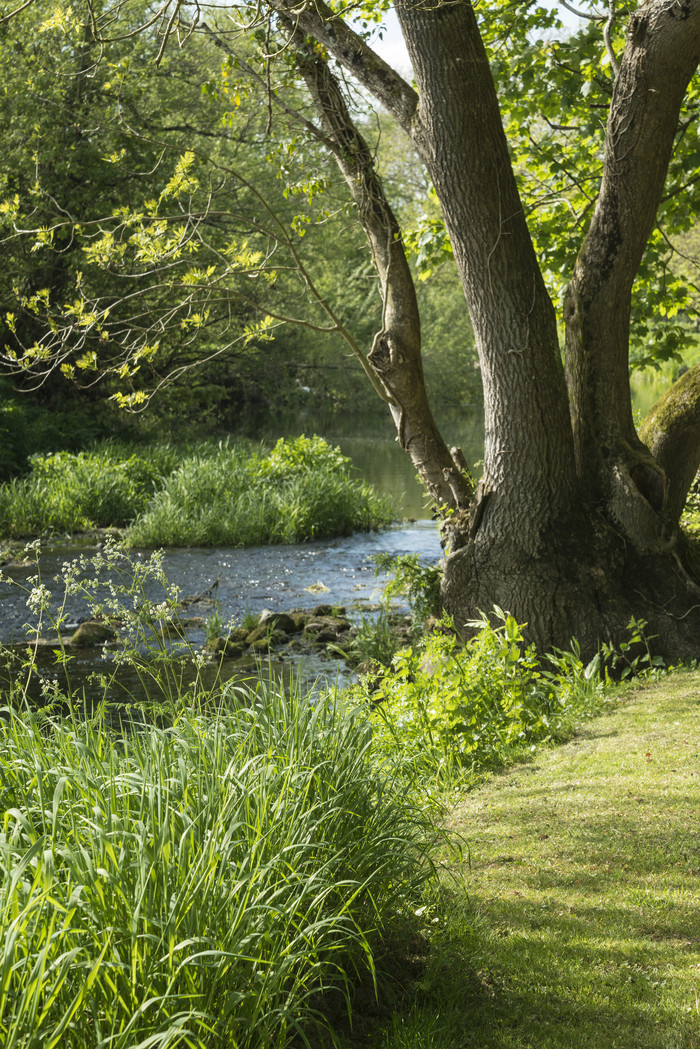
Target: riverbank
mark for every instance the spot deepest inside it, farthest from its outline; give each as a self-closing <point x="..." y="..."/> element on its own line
<point x="304" y="828"/>
<point x="575" y="919"/>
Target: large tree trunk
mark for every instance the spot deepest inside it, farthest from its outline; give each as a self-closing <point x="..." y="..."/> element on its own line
<point x="618" y="473"/>
<point x="571" y="528"/>
<point x="563" y="549"/>
<point x="524" y="533"/>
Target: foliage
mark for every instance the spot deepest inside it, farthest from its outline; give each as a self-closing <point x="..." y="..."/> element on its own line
<point x="377" y="637"/>
<point x="456" y="711"/>
<point x="73" y="491"/>
<point x="219" y="872"/>
<point x="299" y="491"/>
<point x="631" y="657"/>
<point x="223" y="871"/>
<point x="416" y="580"/>
<point x="223" y="493"/>
<point x="185" y="241"/>
<point x="27" y="428"/>
<point x="554" y="88"/>
<point x="299" y="456"/>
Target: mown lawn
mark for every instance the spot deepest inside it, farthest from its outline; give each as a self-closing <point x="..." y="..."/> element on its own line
<point x="575" y="921"/>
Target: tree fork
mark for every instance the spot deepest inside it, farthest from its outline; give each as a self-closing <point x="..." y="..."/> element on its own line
<point x="661" y="54"/>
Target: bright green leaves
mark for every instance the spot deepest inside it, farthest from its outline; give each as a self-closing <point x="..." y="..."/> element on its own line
<point x="554" y="95"/>
<point x="259" y="331"/>
<point x="183" y="183"/>
<point x="555" y="89"/>
<point x="9" y="210"/>
<point x="428" y="244"/>
<point x="65" y="19"/>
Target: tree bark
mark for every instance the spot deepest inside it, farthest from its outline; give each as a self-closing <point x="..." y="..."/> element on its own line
<point x="618" y="474"/>
<point x="671" y="431"/>
<point x="528" y="456"/>
<point x="395" y="356"/>
<point x="320" y="21"/>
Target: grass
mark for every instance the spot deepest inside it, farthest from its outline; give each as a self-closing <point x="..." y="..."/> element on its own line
<point x="212" y="884"/>
<point x="236" y="494"/>
<point x="577" y="919"/>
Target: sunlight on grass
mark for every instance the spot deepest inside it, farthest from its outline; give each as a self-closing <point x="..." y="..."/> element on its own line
<point x="582" y="925"/>
<point x="231" y="867"/>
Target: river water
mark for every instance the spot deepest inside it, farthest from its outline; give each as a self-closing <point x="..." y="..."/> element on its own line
<point x="240" y="582"/>
<point x="244" y="581"/>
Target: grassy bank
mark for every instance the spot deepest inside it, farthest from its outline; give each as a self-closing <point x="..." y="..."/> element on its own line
<point x="576" y="920"/>
<point x="227" y="493"/>
<point x="220" y="883"/>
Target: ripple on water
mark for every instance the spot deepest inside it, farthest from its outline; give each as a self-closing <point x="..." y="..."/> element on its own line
<point x="332" y="571"/>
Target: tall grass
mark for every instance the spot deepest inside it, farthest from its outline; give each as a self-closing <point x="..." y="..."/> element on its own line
<point x="223" y="878"/>
<point x="236" y="494"/>
<point x="209" y="885"/>
<point x="74" y="491"/>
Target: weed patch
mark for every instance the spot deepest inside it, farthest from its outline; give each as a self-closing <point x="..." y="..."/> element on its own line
<point x="453" y="712"/>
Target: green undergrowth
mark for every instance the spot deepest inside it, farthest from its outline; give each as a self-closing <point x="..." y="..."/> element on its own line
<point x="226" y="493"/>
<point x="453" y="712"/>
<point x="575" y="919"/>
<point x="211" y="884"/>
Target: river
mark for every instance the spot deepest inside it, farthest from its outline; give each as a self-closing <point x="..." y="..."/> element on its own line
<point x="245" y="581"/>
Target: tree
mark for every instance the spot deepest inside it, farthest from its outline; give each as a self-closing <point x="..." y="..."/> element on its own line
<point x="574" y="526"/>
<point x="571" y="527"/>
<point x="118" y="195"/>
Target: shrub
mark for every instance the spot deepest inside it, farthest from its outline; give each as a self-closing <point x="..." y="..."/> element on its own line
<point x="214" y="494"/>
<point x="74" y="491"/>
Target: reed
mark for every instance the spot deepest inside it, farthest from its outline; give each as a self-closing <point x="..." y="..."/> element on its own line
<point x="212" y="884"/>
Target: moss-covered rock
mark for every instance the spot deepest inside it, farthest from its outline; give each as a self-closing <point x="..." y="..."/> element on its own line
<point x="225" y="646"/>
<point x="278" y="621"/>
<point x="92" y="633"/>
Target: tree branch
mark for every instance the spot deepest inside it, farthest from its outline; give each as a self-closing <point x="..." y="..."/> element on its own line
<point x="395" y="357"/>
<point x="351" y="51"/>
<point x="661" y="54"/>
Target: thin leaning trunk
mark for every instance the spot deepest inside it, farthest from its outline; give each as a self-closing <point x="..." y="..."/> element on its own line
<point x="395" y="356"/>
